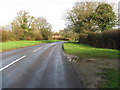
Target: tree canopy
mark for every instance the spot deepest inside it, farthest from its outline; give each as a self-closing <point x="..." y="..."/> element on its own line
<point x="28" y="27"/>
<point x="87" y="17"/>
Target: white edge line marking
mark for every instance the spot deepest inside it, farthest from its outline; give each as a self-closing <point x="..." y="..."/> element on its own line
<point x="12" y="63"/>
<point x="37" y="49"/>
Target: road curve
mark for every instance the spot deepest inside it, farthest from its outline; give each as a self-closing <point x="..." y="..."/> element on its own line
<point x="39" y="66"/>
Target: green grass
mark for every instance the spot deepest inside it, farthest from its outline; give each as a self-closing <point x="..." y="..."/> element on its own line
<point x="111" y="78"/>
<point x="4" y="46"/>
<point x="87" y="51"/>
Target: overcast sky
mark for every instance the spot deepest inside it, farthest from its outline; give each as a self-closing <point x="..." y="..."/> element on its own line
<point x="52" y="10"/>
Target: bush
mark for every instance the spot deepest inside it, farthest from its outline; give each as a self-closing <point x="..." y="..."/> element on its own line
<point x="5" y="35"/>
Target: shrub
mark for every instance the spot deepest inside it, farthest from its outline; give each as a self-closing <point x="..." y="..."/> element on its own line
<point x="5" y="35"/>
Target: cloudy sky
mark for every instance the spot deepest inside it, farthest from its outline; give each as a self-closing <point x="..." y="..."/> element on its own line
<point x="52" y="10"/>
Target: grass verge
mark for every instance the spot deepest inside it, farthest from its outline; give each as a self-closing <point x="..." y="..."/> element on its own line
<point x="5" y="46"/>
<point x="86" y="51"/>
<point x="110" y="77"/>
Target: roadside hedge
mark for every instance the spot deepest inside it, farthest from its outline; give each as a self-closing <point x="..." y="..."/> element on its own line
<point x="107" y="39"/>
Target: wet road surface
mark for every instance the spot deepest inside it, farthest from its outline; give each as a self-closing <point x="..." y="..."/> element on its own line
<point x="39" y="66"/>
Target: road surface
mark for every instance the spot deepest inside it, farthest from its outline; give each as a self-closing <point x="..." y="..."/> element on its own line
<point x="39" y="66"/>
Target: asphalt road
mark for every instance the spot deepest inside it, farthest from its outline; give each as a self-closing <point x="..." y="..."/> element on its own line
<point x="40" y="66"/>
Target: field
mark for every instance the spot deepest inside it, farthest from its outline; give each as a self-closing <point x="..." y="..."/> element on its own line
<point x="5" y="46"/>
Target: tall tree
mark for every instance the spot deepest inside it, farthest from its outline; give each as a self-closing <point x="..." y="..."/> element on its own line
<point x="44" y="28"/>
<point x="88" y="17"/>
<point x="22" y="24"/>
<point x="79" y="17"/>
<point x="105" y="16"/>
<point x="28" y="27"/>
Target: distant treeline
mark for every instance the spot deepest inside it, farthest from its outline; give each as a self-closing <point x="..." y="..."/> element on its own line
<point x="107" y="39"/>
<point x="27" y="27"/>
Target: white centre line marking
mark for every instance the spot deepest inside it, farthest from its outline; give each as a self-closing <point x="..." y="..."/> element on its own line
<point x="52" y="44"/>
<point x="12" y="63"/>
<point x="52" y="51"/>
<point x="37" y="49"/>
